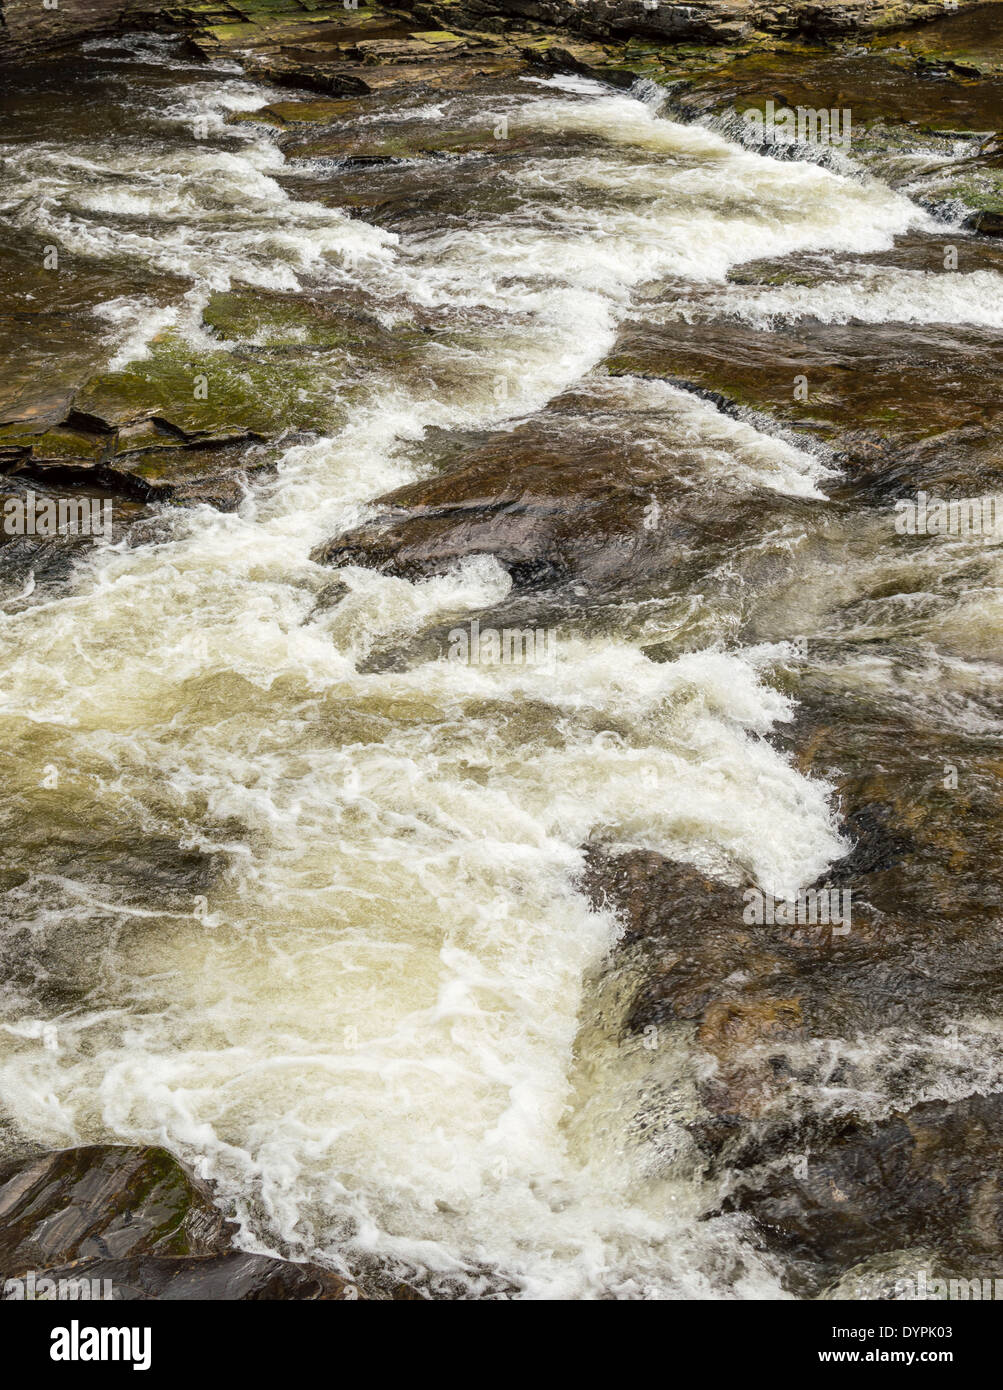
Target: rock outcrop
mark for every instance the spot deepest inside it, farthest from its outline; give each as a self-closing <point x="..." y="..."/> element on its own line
<point x="558" y="508"/>
<point x="132" y="1223"/>
<point x="29" y="28"/>
<point x="925" y="1179"/>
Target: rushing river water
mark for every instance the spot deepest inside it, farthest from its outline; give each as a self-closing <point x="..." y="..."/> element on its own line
<point x="365" y="995"/>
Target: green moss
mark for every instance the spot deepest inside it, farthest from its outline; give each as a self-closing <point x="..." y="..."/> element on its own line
<point x="204" y="395"/>
<point x="284" y="362"/>
<point x="286" y="113"/>
<point x="981" y="191"/>
<point x="283" y="320"/>
<point x="210" y="395"/>
<point x="228" y="33"/>
<point x="436" y="36"/>
<point x="57" y="444"/>
<point x="257" y="8"/>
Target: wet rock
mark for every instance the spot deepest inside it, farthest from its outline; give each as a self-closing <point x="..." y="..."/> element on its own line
<point x="927" y="1177"/>
<point x="217" y="476"/>
<point x="37" y="416"/>
<point x="922" y="846"/>
<point x="60" y="445"/>
<point x="198" y="400"/>
<point x="126" y="1222"/>
<point x="131" y="868"/>
<point x="897" y="381"/>
<point x="292" y="40"/>
<point x="694" y="960"/>
<point x="384" y="145"/>
<point x="102" y="1201"/>
<point x="781" y="1008"/>
<point x="552" y="512"/>
<point x="232" y="1277"/>
<point x="876" y="86"/>
<point x="989" y="223"/>
<point x="967" y="40"/>
<point x="28" y="561"/>
<point x="905" y="403"/>
<point x="27" y="29"/>
<point x="282" y="114"/>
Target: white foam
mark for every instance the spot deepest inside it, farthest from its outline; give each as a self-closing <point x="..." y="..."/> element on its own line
<point x="877" y="294"/>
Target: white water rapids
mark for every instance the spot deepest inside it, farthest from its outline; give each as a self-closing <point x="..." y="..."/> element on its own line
<point x="374" y="1031"/>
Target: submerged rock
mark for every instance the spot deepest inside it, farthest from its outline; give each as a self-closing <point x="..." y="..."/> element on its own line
<point x="386" y="144"/>
<point x="926" y="1178"/>
<point x="555" y="504"/>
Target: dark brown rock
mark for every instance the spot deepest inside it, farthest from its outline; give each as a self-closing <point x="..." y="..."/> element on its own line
<point x="236" y="1276"/>
<point x="553" y="505"/>
<point x="906" y="406"/>
<point x="929" y="1177"/>
<point x="52" y="558"/>
<point x="28" y="28"/>
<point x="129" y="1223"/>
<point x="102" y="1200"/>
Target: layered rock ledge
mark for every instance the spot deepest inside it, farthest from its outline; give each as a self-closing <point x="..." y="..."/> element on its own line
<point x="28" y="29"/>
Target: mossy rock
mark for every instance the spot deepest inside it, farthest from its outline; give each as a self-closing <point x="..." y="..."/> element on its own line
<point x="258" y="8"/>
<point x="168" y="386"/>
<point x="320" y="111"/>
<point x="330" y="336"/>
<point x="970" y="41"/>
<point x="186" y="477"/>
<point x="229" y="33"/>
<point x="437" y="36"/>
<point x="282" y="320"/>
<point x="144" y="435"/>
<point x="103" y="1200"/>
<point x="259" y="388"/>
<point x="57" y="445"/>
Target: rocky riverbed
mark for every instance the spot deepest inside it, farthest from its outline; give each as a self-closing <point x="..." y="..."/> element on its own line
<point x="345" y="956"/>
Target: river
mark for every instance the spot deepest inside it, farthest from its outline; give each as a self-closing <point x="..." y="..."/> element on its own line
<point x="302" y="901"/>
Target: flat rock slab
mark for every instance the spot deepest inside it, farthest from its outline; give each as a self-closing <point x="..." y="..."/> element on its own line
<point x="553" y="507"/>
<point x="353" y="52"/>
<point x="898" y="382"/>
